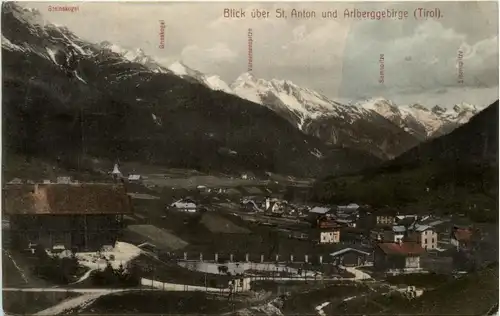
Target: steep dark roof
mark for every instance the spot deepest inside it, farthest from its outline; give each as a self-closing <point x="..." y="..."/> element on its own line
<point x="461" y="234"/>
<point x="66" y="199"/>
<point x="404" y="249"/>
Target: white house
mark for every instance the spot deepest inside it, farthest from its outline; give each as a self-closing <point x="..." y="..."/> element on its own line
<point x="396" y="234"/>
<point x="134" y="177"/>
<point x="329" y="236"/>
<point x="274" y="206"/>
<point x="426" y="236"/>
<point x="64" y="180"/>
<point x="352" y="207"/>
<point x="320" y="210"/>
<point x="16" y="181"/>
<point x="184" y="206"/>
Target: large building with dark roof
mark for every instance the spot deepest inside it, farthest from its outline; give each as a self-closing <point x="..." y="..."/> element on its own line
<point x="80" y="217"/>
<point x="398" y="256"/>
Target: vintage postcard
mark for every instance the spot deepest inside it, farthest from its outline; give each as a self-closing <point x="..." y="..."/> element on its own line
<point x="250" y="158"/>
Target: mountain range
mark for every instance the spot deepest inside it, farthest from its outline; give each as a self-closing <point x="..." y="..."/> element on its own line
<point x="68" y="100"/>
<point x="377" y="125"/>
<point x="99" y="99"/>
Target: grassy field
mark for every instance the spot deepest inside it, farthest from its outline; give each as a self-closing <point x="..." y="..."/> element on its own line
<point x="472" y="294"/>
<point x="164" y="303"/>
<point x="304" y="303"/>
<point x="238" y="237"/>
<point x="445" y="189"/>
<point x="171" y="272"/>
<point x="17" y="271"/>
<point x="430" y="280"/>
<point x="23" y="303"/>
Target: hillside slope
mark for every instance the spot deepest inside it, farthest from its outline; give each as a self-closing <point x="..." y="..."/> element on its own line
<point x="64" y="99"/>
<point x="474" y="142"/>
<point x="455" y="173"/>
<point x="473" y="294"/>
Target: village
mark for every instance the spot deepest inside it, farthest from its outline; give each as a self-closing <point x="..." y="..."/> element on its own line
<point x="128" y="232"/>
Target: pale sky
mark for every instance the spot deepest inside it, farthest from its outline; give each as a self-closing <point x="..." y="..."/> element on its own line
<point x="337" y="57"/>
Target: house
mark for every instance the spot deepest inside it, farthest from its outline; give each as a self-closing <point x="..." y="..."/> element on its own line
<point x="184" y="205"/>
<point x="324" y="221"/>
<point x="328" y="235"/>
<point x="274" y="207"/>
<point x="350" y="257"/>
<point x="425" y="236"/>
<point x="317" y="212"/>
<point x="346" y="220"/>
<point x="64" y="180"/>
<point x="378" y="218"/>
<point x="398" y="257"/>
<point x="80" y="217"/>
<point x="15" y="181"/>
<point x="395" y="234"/>
<point x="377" y="235"/>
<point x="384" y="220"/>
<point x="461" y="238"/>
<point x="406" y="219"/>
<point x="350" y="208"/>
<point x="134" y="178"/>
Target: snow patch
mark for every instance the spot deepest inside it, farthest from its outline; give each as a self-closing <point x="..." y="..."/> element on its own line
<point x="52" y="55"/>
<point x="122" y="253"/>
<point x="216" y="83"/>
<point x="7" y="44"/>
<point x="156" y="119"/>
<point x="76" y="47"/>
<point x="78" y="77"/>
<point x="320" y="307"/>
<point x="178" y="69"/>
<point x="316" y="153"/>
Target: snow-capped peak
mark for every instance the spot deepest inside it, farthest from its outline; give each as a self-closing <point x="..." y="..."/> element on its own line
<point x="438" y="110"/>
<point x="419" y="119"/>
<point x="285" y="96"/>
<point x="216" y="83"/>
<point x="418" y="107"/>
<point x="178" y="68"/>
<point x="213" y="82"/>
<point x="378" y="104"/>
<point x="244" y="78"/>
<point x="464" y="107"/>
<point x="136" y="55"/>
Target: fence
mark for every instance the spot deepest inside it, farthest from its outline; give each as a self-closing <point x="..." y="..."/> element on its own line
<point x="249" y="258"/>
